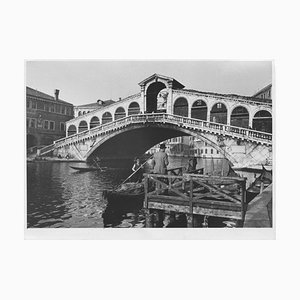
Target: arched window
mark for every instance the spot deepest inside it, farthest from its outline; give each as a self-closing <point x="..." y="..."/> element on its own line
<point x="218" y="113"/>
<point x="79" y="113"/>
<point x="199" y="110"/>
<point x="120" y="113"/>
<point x="262" y="121"/>
<point x="94" y="122"/>
<point x="106" y="118"/>
<point x="181" y="107"/>
<point x="83" y="113"/>
<point x="240" y="117"/>
<point x="82" y="126"/>
<point x="133" y="109"/>
<point x="72" y="130"/>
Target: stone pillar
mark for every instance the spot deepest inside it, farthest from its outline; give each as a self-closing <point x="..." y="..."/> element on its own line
<point x="228" y="116"/>
<point x="250" y="122"/>
<point x="170" y="98"/>
<point x="143" y="108"/>
<point x="208" y="113"/>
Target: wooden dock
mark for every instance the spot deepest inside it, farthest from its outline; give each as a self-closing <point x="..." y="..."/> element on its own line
<point x="194" y="195"/>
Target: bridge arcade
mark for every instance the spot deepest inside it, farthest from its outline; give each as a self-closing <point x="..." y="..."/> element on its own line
<point x="161" y="94"/>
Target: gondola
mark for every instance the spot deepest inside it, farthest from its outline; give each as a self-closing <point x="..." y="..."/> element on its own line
<point x="87" y="169"/>
<point x="264" y="179"/>
<point x="131" y="190"/>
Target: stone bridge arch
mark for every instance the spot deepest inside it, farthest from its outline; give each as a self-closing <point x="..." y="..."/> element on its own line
<point x="135" y="140"/>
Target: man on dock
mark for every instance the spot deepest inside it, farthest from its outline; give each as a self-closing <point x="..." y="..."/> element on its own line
<point x="160" y="160"/>
<point x="160" y="165"/>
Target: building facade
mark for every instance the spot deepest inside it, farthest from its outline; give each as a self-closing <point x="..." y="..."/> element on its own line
<point x="46" y="117"/>
<point x="264" y="93"/>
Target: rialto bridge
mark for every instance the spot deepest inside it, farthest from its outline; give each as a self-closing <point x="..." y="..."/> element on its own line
<point x="238" y="126"/>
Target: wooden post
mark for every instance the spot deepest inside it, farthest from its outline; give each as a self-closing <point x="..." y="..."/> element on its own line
<point x="261" y="187"/>
<point x="243" y="204"/>
<point x="158" y="218"/>
<point x="191" y="196"/>
<point x="146" y="190"/>
<point x="149" y="219"/>
<point x="189" y="218"/>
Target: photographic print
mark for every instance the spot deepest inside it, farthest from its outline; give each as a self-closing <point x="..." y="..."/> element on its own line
<point x="149" y="144"/>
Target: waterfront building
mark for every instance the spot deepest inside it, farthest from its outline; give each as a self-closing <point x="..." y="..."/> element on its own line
<point x="46" y="116"/>
<point x="264" y="93"/>
<point x="262" y="120"/>
<point x="188" y="146"/>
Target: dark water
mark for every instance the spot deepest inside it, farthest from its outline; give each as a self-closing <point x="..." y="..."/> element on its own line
<point x="58" y="196"/>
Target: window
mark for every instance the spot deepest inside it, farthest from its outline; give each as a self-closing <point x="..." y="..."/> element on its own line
<point x="201" y="151"/>
<point x="27" y="122"/>
<point x="46" y="124"/>
<point x="33" y="104"/>
<point x="211" y="151"/>
<point x="205" y="151"/>
<point x="28" y="103"/>
<point x="63" y="110"/>
<point x="62" y="126"/>
<point x="217" y="152"/>
<point x="52" y="108"/>
<point x="219" y="105"/>
<point x="52" y="125"/>
<point x="32" y="123"/>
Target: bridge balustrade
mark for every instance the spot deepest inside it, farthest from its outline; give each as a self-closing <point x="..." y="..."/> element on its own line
<point x="174" y="119"/>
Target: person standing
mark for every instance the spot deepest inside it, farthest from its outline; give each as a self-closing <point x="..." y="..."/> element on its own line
<point x="137" y="167"/>
<point x="160" y="160"/>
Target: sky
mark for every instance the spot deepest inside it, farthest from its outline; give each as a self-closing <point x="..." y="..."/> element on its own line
<point x="85" y="81"/>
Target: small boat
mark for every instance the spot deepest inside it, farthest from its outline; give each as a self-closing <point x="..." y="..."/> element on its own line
<point x="127" y="190"/>
<point x="87" y="169"/>
<point x="264" y="179"/>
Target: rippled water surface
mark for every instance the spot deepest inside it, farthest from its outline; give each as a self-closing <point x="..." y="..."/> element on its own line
<point x="58" y="196"/>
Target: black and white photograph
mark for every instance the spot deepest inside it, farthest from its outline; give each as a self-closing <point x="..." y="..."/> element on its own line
<point x="149" y="144"/>
<point x="150" y="150"/>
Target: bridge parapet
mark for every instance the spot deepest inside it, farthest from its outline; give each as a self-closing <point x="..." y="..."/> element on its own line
<point x="189" y="123"/>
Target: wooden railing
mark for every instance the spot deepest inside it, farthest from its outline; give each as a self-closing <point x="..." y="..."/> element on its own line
<point x="197" y="194"/>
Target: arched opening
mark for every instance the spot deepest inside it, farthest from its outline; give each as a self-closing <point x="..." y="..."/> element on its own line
<point x="181" y="107"/>
<point x="199" y="110"/>
<point x="79" y="113"/>
<point x="94" y="122"/>
<point x="83" y="113"/>
<point x="72" y="130"/>
<point x="31" y="141"/>
<point x="218" y="113"/>
<point x="120" y="113"/>
<point x="262" y="121"/>
<point x="133" y="109"/>
<point x="82" y="126"/>
<point x="151" y="96"/>
<point x="240" y="117"/>
<point x="106" y="118"/>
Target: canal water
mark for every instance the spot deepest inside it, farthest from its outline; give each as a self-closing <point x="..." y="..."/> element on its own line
<point x="58" y="196"/>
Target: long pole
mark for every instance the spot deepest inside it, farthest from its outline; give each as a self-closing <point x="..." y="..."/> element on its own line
<point x="135" y="171"/>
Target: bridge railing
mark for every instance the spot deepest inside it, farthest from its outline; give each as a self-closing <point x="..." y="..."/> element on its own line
<point x="174" y="119"/>
<point x="46" y="149"/>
